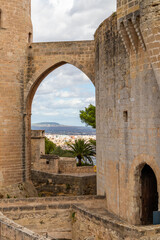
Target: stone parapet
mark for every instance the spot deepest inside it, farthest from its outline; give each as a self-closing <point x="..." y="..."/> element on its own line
<point x="37" y="134"/>
<point x="9" y="230"/>
<point x="48" y="184"/>
<point x="45" y="216"/>
<point x="126" y="7"/>
<point x="49" y="200"/>
<point x="96" y="223"/>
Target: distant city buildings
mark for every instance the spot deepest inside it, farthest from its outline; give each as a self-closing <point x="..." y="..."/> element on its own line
<point x="61" y="140"/>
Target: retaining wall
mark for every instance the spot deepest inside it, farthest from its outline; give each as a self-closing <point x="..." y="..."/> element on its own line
<point x="9" y="230"/>
<point x="58" y="184"/>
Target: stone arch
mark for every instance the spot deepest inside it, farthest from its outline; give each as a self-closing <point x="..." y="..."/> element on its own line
<point x="149" y="195"/>
<point x="134" y="186"/>
<point x="42" y="72"/>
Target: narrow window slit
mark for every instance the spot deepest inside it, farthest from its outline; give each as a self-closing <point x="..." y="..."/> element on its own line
<point x="30" y="37"/>
<point x="125" y="116"/>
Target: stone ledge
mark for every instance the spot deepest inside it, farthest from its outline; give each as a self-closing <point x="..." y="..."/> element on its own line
<point x="20" y="233"/>
<point x="111" y="221"/>
<point x="54" y="199"/>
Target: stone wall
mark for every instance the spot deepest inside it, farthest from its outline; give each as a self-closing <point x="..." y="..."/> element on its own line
<point x="45" y="216"/>
<point x="50" y="163"/>
<point x="37" y="145"/>
<point x="14" y="30"/>
<point x="69" y="165"/>
<point x="123" y="62"/>
<point x="58" y="184"/>
<point x="128" y="106"/>
<point x="92" y="225"/>
<point x="126" y="7"/>
<point x="53" y="221"/>
<point x="9" y="230"/>
<point x="53" y="164"/>
<point x="67" y="218"/>
<point x="45" y="57"/>
<point x="18" y="190"/>
<point x="47" y="163"/>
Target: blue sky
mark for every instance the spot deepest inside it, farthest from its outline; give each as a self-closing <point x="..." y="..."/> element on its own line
<point x="66" y="90"/>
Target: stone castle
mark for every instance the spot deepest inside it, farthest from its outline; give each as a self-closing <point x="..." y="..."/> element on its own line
<point x="126" y="56"/>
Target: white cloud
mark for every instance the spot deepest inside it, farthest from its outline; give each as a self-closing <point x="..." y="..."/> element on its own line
<point x="67" y="90"/>
<point x="61" y="95"/>
<point x="55" y="20"/>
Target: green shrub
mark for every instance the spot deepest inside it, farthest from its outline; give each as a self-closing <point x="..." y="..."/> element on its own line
<point x="49" y="146"/>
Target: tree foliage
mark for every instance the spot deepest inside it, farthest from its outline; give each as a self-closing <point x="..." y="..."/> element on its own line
<point x="49" y="146"/>
<point x="93" y="143"/>
<point x="52" y="148"/>
<point x="82" y="150"/>
<point x="62" y="152"/>
<point x="88" y="116"/>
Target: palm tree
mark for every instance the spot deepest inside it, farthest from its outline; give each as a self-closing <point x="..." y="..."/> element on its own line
<point x="93" y="142"/>
<point x="82" y="150"/>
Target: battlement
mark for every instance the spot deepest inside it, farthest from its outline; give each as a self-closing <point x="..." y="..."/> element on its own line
<point x="125" y="7"/>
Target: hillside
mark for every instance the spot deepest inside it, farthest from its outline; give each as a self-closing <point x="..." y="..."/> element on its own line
<point x="46" y="124"/>
<point x="56" y="128"/>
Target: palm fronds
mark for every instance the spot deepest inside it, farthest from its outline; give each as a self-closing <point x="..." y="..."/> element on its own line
<point x="83" y="150"/>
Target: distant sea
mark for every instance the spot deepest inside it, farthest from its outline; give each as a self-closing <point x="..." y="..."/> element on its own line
<point x="66" y="130"/>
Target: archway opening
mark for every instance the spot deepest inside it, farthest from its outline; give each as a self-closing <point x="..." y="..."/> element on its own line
<point x="56" y="99"/>
<point x="59" y="95"/>
<point x="149" y="195"/>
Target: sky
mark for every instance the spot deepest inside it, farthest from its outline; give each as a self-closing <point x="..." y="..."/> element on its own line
<point x="66" y="91"/>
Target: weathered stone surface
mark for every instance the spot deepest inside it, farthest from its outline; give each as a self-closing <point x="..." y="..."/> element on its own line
<point x="37" y="146"/>
<point x="23" y="66"/>
<point x="48" y="184"/>
<point x="14" y="30"/>
<point x="19" y="190"/>
<point x="9" y="230"/>
<point x="128" y="104"/>
<point x="96" y="223"/>
<point x="126" y="75"/>
<point x="45" y="216"/>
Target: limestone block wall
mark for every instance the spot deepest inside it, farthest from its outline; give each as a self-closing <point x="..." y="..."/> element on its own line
<point x="44" y="216"/>
<point x="92" y="226"/>
<point x="150" y="27"/>
<point x="37" y="145"/>
<point x="128" y="106"/>
<point x="9" y="230"/>
<point x="52" y="221"/>
<point x="67" y="218"/>
<point x="14" y="30"/>
<point x="69" y="165"/>
<point x="61" y="165"/>
<point x="18" y="190"/>
<point x="48" y="184"/>
<point x="43" y="58"/>
<point x="126" y="7"/>
<point x="47" y="163"/>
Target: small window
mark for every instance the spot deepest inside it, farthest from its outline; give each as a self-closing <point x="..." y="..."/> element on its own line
<point x="29" y="37"/>
<point x="125" y="116"/>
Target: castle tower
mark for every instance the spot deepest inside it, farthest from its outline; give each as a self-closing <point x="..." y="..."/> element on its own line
<point x="128" y="107"/>
<point x="15" y="36"/>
